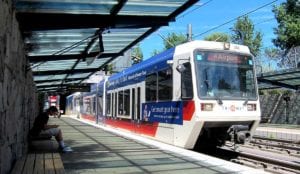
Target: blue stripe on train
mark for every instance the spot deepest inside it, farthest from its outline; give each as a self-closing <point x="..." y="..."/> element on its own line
<point x="138" y="72"/>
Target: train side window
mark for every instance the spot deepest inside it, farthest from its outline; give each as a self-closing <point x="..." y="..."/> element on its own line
<point x="120" y="103"/>
<point x="126" y="109"/>
<point x="165" y="83"/>
<point x="151" y="87"/>
<point x="187" y="82"/>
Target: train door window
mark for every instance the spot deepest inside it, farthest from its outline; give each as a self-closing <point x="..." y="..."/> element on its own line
<point x="165" y="83"/>
<point x="94" y="105"/>
<point x="81" y="109"/>
<point x="100" y="106"/>
<point x="78" y="104"/>
<point x="87" y="105"/>
<point x="187" y="82"/>
<point x="120" y="103"/>
<point x="113" y="104"/>
<point x="133" y="104"/>
<point x="108" y="100"/>
<point x="151" y="87"/>
<point x="116" y="104"/>
<point x="126" y="103"/>
<point x="138" y="103"/>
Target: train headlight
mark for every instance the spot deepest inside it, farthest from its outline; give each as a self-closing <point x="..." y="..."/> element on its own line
<point x="206" y="106"/>
<point x="251" y="107"/>
<point x="226" y="46"/>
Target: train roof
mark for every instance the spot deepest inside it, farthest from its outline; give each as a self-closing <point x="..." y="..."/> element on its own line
<point x="158" y="62"/>
<point x="212" y="45"/>
<point x="147" y="64"/>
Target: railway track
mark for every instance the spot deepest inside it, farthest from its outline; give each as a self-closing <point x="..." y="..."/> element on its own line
<point x="277" y="140"/>
<point x="259" y="161"/>
<point x="280" y="157"/>
<point x="279" y="146"/>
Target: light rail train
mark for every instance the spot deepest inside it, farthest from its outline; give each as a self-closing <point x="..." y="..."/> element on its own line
<point x="197" y="94"/>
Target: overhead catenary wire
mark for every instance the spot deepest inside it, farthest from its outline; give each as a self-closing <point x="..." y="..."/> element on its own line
<point x="234" y="19"/>
<point x="199" y="6"/>
<point x="264" y="21"/>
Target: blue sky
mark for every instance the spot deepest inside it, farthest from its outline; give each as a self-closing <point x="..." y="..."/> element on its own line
<point x="212" y="14"/>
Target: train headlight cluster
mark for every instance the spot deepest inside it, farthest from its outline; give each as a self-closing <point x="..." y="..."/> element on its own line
<point x="207" y="106"/>
<point x="251" y="107"/>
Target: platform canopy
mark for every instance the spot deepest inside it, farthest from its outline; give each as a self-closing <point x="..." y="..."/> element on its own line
<point x="69" y="40"/>
<point x="280" y="79"/>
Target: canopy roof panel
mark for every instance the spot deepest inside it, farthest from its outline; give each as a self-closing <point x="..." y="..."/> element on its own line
<point x="69" y="40"/>
<point x="285" y="78"/>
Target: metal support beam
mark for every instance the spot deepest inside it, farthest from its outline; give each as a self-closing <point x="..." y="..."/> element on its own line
<point x="128" y="47"/>
<point x="57" y="80"/>
<point x="58" y="72"/>
<point x="49" y="21"/>
<point x="182" y="8"/>
<point x="276" y="83"/>
<point x="115" y="10"/>
<point x="35" y="59"/>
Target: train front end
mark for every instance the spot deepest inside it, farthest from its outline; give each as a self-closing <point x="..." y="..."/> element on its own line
<point x="225" y="95"/>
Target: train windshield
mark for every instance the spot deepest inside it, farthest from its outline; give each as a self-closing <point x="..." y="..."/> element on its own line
<point x="222" y="75"/>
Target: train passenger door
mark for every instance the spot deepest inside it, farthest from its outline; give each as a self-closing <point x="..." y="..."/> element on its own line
<point x="116" y="105"/>
<point x="133" y="105"/>
<point x="136" y="103"/>
<point x="113" y="113"/>
<point x="99" y="108"/>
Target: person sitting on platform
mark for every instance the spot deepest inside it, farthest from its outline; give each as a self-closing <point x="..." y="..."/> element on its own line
<point x="42" y="129"/>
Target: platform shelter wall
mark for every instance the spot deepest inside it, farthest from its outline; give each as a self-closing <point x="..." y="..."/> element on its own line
<point x="18" y="101"/>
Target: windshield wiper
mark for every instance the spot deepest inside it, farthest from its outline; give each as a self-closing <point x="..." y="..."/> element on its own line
<point x="219" y="100"/>
<point x="206" y="81"/>
<point x="246" y="102"/>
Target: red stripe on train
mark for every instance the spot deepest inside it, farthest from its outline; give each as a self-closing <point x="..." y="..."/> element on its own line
<point x="88" y="117"/>
<point x="188" y="110"/>
<point x="144" y="128"/>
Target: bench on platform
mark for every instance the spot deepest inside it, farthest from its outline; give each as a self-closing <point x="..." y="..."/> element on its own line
<point x="39" y="163"/>
<point x="43" y="157"/>
<point x="39" y="137"/>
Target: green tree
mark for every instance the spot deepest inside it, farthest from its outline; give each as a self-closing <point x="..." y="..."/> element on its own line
<point x="170" y="41"/>
<point x="290" y="59"/>
<point x="243" y="33"/>
<point x="109" y="69"/>
<point x="136" y="55"/>
<point x="174" y="39"/>
<point x="155" y="52"/>
<point x="288" y="32"/>
<point x="218" y="37"/>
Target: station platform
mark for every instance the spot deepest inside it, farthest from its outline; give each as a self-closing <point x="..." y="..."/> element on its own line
<point x="100" y="149"/>
<point x="283" y="132"/>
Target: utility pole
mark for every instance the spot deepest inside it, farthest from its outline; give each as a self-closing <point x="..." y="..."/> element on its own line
<point x="287" y="99"/>
<point x="189" y="33"/>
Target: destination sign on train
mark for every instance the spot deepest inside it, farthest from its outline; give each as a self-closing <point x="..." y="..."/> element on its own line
<point x="221" y="57"/>
<point x="224" y="58"/>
